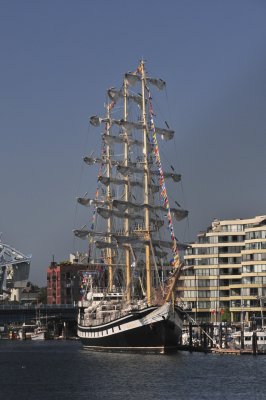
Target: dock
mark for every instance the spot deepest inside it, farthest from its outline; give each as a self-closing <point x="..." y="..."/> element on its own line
<point x="207" y="338"/>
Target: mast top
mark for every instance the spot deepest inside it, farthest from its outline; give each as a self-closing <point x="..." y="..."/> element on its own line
<point x="141" y="67"/>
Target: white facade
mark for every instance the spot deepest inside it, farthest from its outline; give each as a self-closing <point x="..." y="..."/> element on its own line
<point x="227" y="278"/>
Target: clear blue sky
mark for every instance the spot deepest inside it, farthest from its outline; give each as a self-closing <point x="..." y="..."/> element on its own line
<point x="58" y="57"/>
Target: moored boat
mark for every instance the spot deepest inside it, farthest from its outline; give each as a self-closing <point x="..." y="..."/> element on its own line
<point x="35" y="331"/>
<point x="251" y="339"/>
<point x="40" y="333"/>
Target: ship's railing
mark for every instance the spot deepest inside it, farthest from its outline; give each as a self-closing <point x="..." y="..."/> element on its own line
<point x="104" y="320"/>
<point x="105" y="290"/>
<point x="109" y="317"/>
<point x="38" y="307"/>
<point x="84" y="303"/>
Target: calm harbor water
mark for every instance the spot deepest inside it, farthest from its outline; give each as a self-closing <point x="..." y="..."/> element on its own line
<point x="63" y="370"/>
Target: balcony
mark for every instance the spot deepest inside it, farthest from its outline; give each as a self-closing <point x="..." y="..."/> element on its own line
<point x="230" y="274"/>
<point x="224" y="293"/>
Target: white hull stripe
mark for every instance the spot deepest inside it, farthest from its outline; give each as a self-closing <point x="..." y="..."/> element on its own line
<point x="158" y="315"/>
<point x="116" y="321"/>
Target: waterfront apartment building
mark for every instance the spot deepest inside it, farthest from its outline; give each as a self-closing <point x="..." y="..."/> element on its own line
<point x="225" y="272"/>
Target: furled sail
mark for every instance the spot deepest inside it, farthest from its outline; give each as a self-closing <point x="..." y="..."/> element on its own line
<point x="132" y="78"/>
<point x="139" y="143"/>
<point x="115" y="95"/>
<point x="166" y="134"/>
<point x="105" y="245"/>
<point x="93" y="160"/>
<point x="179" y="214"/>
<point x="85" y="201"/>
<point x="122" y="205"/>
<point x="175" y="177"/>
<point x="107" y="181"/>
<point x="129" y="125"/>
<point x="159" y="83"/>
<point x="96" y="121"/>
<point x="111" y="139"/>
<point x="126" y="170"/>
<point x="157" y="222"/>
<point x="126" y="125"/>
<point x="107" y="213"/>
<point x="83" y="233"/>
<point x="123" y="239"/>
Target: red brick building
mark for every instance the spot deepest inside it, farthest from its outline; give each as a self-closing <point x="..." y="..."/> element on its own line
<point x="63" y="282"/>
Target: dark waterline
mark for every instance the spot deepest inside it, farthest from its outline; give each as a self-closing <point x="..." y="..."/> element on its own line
<point x="63" y="370"/>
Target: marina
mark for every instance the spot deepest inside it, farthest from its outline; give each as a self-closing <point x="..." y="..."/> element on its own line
<point x="223" y="339"/>
<point x="208" y="338"/>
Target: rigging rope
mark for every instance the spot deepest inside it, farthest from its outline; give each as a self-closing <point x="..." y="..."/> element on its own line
<point x="162" y="183"/>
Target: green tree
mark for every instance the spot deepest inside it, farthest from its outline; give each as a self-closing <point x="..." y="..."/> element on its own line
<point x="226" y="316"/>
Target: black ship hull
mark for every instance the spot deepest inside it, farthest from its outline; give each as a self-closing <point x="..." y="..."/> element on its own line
<point x="151" y="330"/>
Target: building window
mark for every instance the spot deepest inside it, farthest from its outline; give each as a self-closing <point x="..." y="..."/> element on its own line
<point x="253" y="291"/>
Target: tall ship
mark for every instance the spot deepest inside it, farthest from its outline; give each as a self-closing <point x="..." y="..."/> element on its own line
<point x="128" y="289"/>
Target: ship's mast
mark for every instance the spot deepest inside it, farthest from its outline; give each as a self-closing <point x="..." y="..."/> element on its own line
<point x="146" y="184"/>
<point x="108" y="197"/>
<point x="126" y="197"/>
